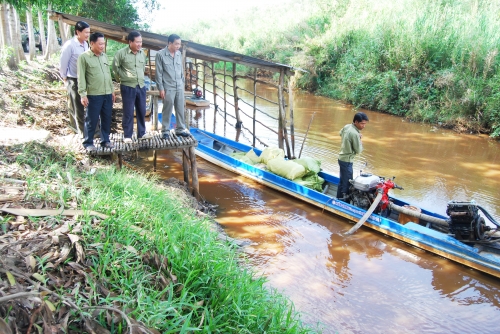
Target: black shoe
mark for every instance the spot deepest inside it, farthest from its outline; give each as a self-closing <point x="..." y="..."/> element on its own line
<point x="183" y="133"/>
<point x="165" y="136"/>
<point x="108" y="145"/>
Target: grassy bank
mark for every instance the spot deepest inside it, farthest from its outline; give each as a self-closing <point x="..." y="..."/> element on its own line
<point x="154" y="258"/>
<point x="431" y="61"/>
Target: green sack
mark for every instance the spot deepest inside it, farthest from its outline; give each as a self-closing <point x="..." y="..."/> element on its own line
<point x="311" y="181"/>
<point x="253" y="157"/>
<point x="247" y="160"/>
<point x="286" y="168"/>
<point x="271" y="153"/>
<point x="310" y="164"/>
<point x="238" y="155"/>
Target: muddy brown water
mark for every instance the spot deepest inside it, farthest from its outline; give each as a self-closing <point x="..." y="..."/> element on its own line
<point x="368" y="282"/>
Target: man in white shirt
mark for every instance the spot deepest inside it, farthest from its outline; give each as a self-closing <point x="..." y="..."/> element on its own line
<point x="70" y="52"/>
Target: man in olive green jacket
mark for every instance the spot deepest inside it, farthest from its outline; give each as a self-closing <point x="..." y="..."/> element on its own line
<point x="96" y="90"/>
<point x="351" y="145"/>
<point x="129" y="65"/>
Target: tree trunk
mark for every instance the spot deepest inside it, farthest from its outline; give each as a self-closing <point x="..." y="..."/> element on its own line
<point x="31" y="33"/>
<point x="6" y="49"/>
<point x="11" y="22"/>
<point x="41" y="28"/>
<point x="16" y="36"/>
<point x="52" y="44"/>
<point x="4" y="31"/>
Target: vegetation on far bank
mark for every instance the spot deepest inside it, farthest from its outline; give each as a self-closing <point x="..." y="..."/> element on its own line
<point x="431" y="61"/>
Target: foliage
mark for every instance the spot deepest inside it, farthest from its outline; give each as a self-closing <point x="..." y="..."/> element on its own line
<point x="432" y="61"/>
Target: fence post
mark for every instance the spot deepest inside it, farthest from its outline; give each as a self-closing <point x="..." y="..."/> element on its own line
<point x="235" y="91"/>
<point x="214" y="85"/>
<point x="204" y="76"/>
<point x="254" y="102"/>
<point x="290" y="109"/>
<point x="282" y="118"/>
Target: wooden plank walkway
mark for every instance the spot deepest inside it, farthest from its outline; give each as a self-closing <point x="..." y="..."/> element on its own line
<point x="154" y="143"/>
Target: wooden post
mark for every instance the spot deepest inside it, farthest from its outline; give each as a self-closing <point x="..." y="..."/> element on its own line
<point x="280" y="113"/>
<point x="225" y="102"/>
<point x="155" y="112"/>
<point x="149" y="61"/>
<point x="184" y="49"/>
<point x="120" y="161"/>
<point x="61" y="29"/>
<point x="194" y="173"/>
<point x="185" y="165"/>
<point x="282" y="121"/>
<point x="204" y="76"/>
<point x="214" y="86"/>
<point x="235" y="92"/>
<point x="290" y="109"/>
<point x="254" y="103"/>
<point x="154" y="160"/>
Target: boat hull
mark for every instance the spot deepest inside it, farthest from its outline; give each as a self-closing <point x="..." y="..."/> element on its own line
<point x="411" y="233"/>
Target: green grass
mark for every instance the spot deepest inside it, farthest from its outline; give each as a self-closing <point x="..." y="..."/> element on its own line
<point x="213" y="290"/>
<point x="431" y="61"/>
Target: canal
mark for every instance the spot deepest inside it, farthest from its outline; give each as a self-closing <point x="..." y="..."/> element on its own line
<point x="368" y="282"/>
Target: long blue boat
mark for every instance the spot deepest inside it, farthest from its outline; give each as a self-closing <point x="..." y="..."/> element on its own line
<point x="463" y="237"/>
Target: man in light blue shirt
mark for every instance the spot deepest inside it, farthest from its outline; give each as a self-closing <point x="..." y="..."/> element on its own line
<point x="70" y="52"/>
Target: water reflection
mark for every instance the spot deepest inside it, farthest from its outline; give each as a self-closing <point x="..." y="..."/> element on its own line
<point x="365" y="283"/>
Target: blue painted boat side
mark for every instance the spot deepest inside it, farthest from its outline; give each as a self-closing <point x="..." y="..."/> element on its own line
<point x="415" y="234"/>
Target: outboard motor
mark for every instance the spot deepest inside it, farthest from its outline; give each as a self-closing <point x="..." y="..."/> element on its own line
<point x="465" y="222"/>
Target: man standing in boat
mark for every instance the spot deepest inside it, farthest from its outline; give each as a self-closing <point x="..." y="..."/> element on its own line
<point x="351" y="145"/>
<point x="170" y="81"/>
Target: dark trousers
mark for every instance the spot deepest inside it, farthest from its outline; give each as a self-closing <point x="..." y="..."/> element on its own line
<point x="346" y="174"/>
<point x="76" y="110"/>
<point x="100" y="106"/>
<point x="133" y="97"/>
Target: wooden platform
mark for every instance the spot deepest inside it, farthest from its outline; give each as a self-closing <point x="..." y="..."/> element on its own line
<point x="155" y="143"/>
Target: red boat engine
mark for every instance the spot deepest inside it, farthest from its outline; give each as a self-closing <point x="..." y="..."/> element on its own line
<point x="364" y="189"/>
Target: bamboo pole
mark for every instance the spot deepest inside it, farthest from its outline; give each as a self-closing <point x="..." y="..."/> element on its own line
<point x="290" y="110"/>
<point x="184" y="49"/>
<point x="282" y="121"/>
<point x="254" y="103"/>
<point x="214" y="86"/>
<point x="194" y="173"/>
<point x="235" y="94"/>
